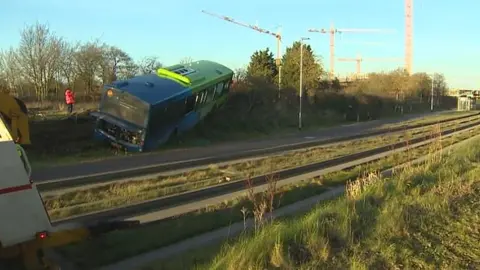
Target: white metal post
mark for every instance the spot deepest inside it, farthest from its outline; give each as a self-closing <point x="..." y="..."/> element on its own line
<point x="301" y="83"/>
<point x="301" y="88"/>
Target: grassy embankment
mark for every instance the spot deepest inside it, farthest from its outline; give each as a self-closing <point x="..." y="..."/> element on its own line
<point x="59" y="140"/>
<point x="118" y="245"/>
<point x="427" y="217"/>
<point x="121" y="194"/>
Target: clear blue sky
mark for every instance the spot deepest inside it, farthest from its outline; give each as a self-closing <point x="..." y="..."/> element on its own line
<point x="445" y="32"/>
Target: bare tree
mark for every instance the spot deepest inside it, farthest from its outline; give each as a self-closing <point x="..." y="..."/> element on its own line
<point x="9" y="72"/>
<point x="440" y="86"/>
<point x="148" y="65"/>
<point x="127" y="71"/>
<point x="39" y="57"/>
<point x="68" y="64"/>
<point x="117" y="63"/>
<point x="186" y="60"/>
<point x="90" y="60"/>
<point x="240" y="74"/>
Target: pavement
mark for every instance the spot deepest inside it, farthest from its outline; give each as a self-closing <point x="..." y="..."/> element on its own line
<point x="194" y="153"/>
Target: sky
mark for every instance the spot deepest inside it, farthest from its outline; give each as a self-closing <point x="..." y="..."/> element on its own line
<point x="445" y="35"/>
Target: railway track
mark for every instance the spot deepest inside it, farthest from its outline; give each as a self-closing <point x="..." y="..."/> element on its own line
<point x="175" y="205"/>
<point x="231" y="230"/>
<point x="196" y="164"/>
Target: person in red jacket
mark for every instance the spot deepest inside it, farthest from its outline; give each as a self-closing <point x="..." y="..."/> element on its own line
<point x="69" y="99"/>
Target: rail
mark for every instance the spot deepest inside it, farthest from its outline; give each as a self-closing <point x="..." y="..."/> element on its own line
<point x="239" y="185"/>
<point x="111" y="176"/>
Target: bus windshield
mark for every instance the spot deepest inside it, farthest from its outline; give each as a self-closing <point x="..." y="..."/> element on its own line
<point x="126" y="107"/>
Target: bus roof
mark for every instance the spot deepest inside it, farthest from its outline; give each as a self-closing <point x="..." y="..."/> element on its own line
<point x="151" y="88"/>
<point x="201" y="72"/>
<point x="156" y="88"/>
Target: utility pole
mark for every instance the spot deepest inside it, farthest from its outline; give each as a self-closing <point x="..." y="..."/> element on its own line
<point x="431" y="94"/>
<point x="301" y="83"/>
<point x="332" y="31"/>
<point x="277" y="36"/>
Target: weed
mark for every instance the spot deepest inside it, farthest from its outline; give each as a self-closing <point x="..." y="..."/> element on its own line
<point x="427" y="217"/>
<point x="91" y="254"/>
<point x="102" y="197"/>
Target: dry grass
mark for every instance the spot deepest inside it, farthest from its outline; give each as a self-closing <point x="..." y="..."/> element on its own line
<point x="427" y="217"/>
<point x="428" y="119"/>
<point x="119" y="194"/>
<point x="55" y="109"/>
<point x="119" y="245"/>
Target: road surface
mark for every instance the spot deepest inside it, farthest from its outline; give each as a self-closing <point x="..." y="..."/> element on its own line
<point x="127" y="162"/>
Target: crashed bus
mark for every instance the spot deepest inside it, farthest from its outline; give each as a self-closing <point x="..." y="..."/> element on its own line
<point x="141" y="113"/>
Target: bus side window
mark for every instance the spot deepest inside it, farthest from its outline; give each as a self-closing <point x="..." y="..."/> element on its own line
<point x="211" y="91"/>
<point x="219" y="88"/>
<point x="226" y="86"/>
<point x="205" y="95"/>
<point x="214" y="91"/>
<point x="201" y="97"/>
<point x="190" y="103"/>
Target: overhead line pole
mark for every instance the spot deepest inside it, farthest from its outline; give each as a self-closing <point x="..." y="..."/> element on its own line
<point x="301" y="83"/>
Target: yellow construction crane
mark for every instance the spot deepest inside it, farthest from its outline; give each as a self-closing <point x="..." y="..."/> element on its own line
<point x="332" y="31"/>
<point x="277" y="36"/>
<point x="360" y="59"/>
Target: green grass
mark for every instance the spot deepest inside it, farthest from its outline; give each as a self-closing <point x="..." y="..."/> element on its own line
<point x="118" y="245"/>
<point x="120" y="194"/>
<point x="428" y="217"/>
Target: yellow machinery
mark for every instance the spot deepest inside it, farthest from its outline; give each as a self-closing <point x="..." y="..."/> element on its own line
<point x="25" y="227"/>
<point x="15" y="113"/>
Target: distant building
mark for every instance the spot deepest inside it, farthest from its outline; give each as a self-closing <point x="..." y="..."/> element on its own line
<point x="457" y="92"/>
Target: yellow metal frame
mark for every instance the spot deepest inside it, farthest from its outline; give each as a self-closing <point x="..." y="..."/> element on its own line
<point x="19" y="120"/>
<point x="162" y="72"/>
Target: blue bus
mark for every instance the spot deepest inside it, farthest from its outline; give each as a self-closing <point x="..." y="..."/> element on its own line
<point x="141" y="113"/>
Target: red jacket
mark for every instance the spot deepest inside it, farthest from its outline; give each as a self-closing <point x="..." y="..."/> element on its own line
<point x="69" y="97"/>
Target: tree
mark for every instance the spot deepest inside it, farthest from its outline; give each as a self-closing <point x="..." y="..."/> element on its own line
<point x="240" y="75"/>
<point x="68" y="65"/>
<point x="39" y="57"/>
<point x="262" y="66"/>
<point x="186" y="60"/>
<point x="336" y="86"/>
<point x="148" y="65"/>
<point x="9" y="71"/>
<point x="439" y="86"/>
<point x="90" y="60"/>
<point x="420" y="86"/>
<point x="312" y="69"/>
<point x="117" y="63"/>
